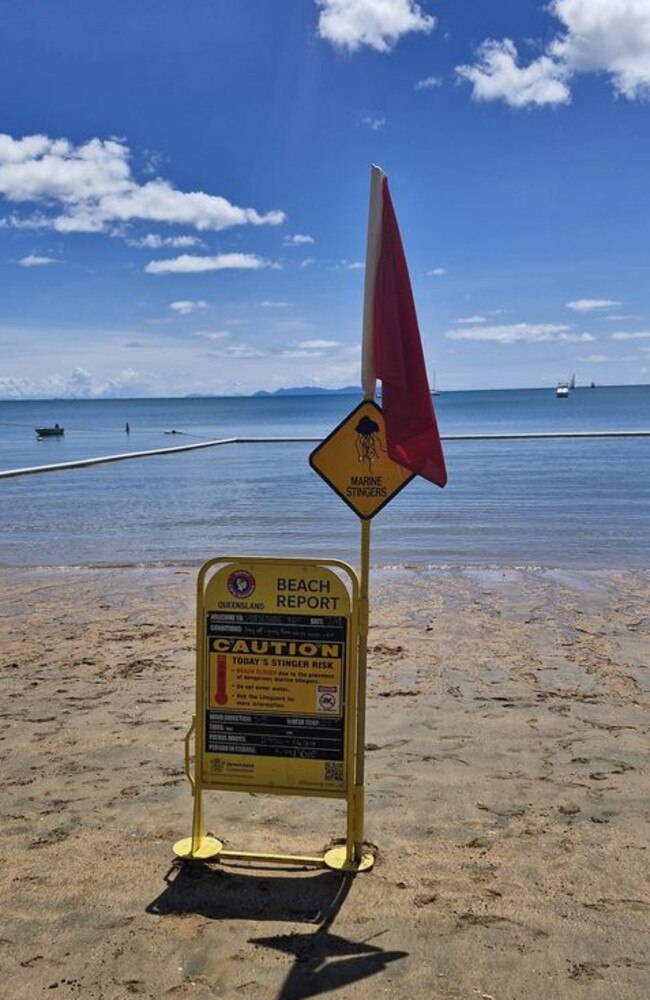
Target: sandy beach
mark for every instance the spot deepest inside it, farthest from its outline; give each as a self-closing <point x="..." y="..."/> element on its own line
<point x="507" y="800"/>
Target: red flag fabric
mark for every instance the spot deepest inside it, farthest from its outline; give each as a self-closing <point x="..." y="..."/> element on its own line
<point x="411" y="428"/>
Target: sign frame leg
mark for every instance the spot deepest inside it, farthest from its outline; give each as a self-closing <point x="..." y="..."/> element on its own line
<point x="198" y="847"/>
<point x="352" y="857"/>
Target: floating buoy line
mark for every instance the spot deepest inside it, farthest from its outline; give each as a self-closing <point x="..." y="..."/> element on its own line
<point x="84" y="463"/>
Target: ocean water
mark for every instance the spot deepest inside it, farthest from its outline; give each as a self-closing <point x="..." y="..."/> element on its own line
<point x="581" y="503"/>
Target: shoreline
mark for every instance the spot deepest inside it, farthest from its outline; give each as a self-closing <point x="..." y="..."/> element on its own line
<point x="193" y="565"/>
<point x="507" y="784"/>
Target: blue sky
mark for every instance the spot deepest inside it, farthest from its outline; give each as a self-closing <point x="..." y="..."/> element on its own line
<point x="183" y="190"/>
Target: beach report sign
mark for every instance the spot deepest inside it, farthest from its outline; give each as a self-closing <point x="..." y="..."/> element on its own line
<point x="275" y="659"/>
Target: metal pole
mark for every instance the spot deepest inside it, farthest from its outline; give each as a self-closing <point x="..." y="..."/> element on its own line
<point x="198" y="822"/>
<point x="359" y="790"/>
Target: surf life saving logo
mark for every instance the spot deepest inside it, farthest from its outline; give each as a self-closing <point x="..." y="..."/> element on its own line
<point x="241" y="583"/>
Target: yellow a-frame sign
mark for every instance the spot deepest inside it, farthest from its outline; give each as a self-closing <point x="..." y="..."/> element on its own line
<point x="276" y="694"/>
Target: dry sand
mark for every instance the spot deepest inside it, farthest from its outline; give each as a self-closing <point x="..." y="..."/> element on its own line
<point x="507" y="786"/>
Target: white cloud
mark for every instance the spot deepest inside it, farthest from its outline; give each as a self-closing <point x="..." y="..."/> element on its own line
<point x="379" y="24"/>
<point x="606" y="36"/>
<point x="28" y="222"/>
<point x="354" y="265"/>
<point x="298" y="240"/>
<point x="471" y="320"/>
<point x="373" y="121"/>
<point x="79" y="384"/>
<point x="33" y="260"/>
<point x="23" y="388"/>
<point x="428" y="83"/>
<point x="591" y="305"/>
<point x="307" y="262"/>
<point x="297" y="349"/>
<point x="242" y="351"/>
<point x="92" y="188"/>
<point x="498" y="77"/>
<point x="527" y="333"/>
<point x="331" y="350"/>
<point x="437" y="272"/>
<point x="164" y="364"/>
<point x="186" y="306"/>
<point x="296" y="325"/>
<point x="318" y="345"/>
<point x="595" y="359"/>
<point x="212" y="334"/>
<point x="154" y="242"/>
<point x="597" y="36"/>
<point x="191" y="264"/>
<point x="638" y="335"/>
<point x="270" y="304"/>
<point x="126" y="383"/>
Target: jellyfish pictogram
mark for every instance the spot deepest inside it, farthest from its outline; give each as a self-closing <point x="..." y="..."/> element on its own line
<point x="368" y="442"/>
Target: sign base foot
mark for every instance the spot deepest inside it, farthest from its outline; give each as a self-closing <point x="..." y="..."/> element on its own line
<point x="206" y="848"/>
<point x="337" y="859"/>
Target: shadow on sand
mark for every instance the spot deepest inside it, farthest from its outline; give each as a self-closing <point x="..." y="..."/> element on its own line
<point x="323" y="961"/>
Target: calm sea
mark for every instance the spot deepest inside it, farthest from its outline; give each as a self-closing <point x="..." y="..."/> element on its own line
<point x="551" y="503"/>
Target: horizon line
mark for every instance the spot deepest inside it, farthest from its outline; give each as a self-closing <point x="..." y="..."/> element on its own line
<point x="289" y="390"/>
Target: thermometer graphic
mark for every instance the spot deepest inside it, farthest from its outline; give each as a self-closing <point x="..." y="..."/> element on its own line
<point x="221" y="695"/>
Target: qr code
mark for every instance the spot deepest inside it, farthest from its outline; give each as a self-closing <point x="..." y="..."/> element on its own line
<point x="333" y="770"/>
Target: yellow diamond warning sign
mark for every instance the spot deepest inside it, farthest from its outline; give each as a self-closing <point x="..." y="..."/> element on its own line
<point x="354" y="461"/>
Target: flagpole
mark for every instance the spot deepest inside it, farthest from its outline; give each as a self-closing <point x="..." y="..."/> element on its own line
<point x="359" y="779"/>
<point x="410" y="441"/>
<point x="368" y="383"/>
<point x="373" y="242"/>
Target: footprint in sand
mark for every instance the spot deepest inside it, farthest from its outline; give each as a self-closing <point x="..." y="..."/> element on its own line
<point x="51" y="837"/>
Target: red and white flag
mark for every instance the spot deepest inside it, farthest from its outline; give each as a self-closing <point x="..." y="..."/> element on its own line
<point x="391" y="347"/>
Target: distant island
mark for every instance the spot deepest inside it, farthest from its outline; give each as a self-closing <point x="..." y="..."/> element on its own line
<point x="311" y="390"/>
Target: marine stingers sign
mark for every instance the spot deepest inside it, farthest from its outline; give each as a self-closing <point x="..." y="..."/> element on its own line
<point x="276" y="653"/>
<point x="354" y="461"/>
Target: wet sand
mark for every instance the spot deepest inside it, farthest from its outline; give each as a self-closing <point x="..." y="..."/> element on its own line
<point x="507" y="779"/>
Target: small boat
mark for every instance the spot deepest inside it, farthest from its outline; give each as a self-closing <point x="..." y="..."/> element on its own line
<point x="49" y="432"/>
<point x="562" y="390"/>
